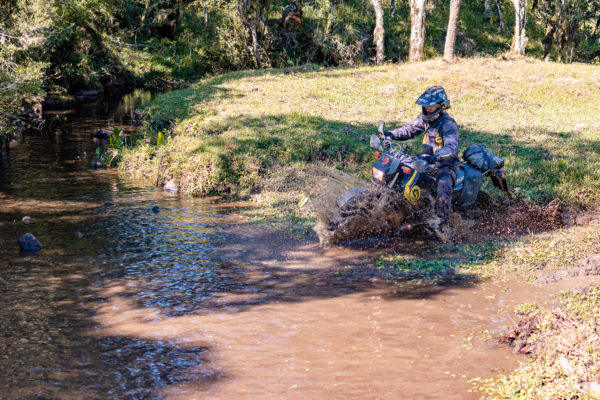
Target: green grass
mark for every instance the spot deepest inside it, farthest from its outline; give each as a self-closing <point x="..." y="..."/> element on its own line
<point x="229" y="132"/>
<point x="530" y="255"/>
<point x="439" y="260"/>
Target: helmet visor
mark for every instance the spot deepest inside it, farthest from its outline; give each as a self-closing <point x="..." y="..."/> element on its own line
<point x="430" y="109"/>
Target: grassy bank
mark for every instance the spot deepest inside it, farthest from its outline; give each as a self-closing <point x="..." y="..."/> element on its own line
<point x="229" y="133"/>
<point x="267" y="133"/>
<point x="563" y="339"/>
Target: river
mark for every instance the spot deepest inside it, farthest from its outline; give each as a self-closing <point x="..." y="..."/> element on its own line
<point x="195" y="302"/>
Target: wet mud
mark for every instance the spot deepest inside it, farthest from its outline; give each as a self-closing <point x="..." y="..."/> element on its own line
<point x="348" y="209"/>
<point x="589" y="266"/>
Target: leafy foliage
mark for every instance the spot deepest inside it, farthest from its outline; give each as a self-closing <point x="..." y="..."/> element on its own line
<point x="160" y="140"/>
<point x="565" y="23"/>
<point x="21" y="77"/>
<point x="117" y="142"/>
<point x="72" y="45"/>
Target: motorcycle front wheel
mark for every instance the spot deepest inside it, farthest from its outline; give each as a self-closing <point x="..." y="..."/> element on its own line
<point x="361" y="212"/>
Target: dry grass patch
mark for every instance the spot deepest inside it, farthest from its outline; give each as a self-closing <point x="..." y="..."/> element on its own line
<point x="564" y="341"/>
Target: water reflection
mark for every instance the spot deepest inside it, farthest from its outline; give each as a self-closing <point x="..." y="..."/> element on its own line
<point x="93" y="228"/>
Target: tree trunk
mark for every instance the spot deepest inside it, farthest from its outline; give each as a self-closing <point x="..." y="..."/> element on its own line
<point x="547" y="41"/>
<point x="417" y="30"/>
<point x="561" y="50"/>
<point x="255" y="43"/>
<point x="500" y="17"/>
<point x="487" y="13"/>
<point x="245" y="8"/>
<point x="570" y="51"/>
<point x="331" y="17"/>
<point x="393" y="7"/>
<point x="378" y="33"/>
<point x="520" y="38"/>
<point x="205" y="16"/>
<point x="452" y="27"/>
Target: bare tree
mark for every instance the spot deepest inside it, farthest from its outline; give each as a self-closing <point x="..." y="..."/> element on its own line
<point x="393" y="8"/>
<point x="379" y="32"/>
<point x="487" y="14"/>
<point x="331" y="16"/>
<point x="417" y="30"/>
<point x="451" y="32"/>
<point x="487" y="7"/>
<point x="250" y="14"/>
<point x="520" y="38"/>
<point x="500" y="17"/>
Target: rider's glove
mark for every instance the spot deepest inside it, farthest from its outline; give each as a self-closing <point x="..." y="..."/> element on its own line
<point x="430" y="159"/>
<point x="387" y="134"/>
<point x="443" y="155"/>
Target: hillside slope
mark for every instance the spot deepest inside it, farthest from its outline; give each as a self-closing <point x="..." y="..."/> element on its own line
<point x="229" y="133"/>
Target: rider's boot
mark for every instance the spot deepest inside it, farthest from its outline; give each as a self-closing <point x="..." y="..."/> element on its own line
<point x="438" y="228"/>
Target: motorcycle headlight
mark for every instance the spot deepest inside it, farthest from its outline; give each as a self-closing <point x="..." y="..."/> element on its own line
<point x="378" y="174"/>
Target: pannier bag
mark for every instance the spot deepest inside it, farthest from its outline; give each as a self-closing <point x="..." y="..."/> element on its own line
<point x="481" y="158"/>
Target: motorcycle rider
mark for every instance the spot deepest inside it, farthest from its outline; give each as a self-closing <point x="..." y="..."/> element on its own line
<point x="442" y="134"/>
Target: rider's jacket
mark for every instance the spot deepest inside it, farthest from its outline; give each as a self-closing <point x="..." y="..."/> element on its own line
<point x="442" y="134"/>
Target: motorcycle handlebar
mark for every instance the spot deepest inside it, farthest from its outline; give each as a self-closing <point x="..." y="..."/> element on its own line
<point x="389" y="144"/>
<point x="387" y="141"/>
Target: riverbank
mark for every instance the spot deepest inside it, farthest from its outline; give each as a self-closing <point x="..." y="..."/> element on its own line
<point x="269" y="135"/>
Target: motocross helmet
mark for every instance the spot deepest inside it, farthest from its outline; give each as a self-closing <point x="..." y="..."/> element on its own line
<point x="435" y="95"/>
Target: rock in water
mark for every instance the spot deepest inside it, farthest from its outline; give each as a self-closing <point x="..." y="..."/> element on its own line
<point x="103" y="133"/>
<point x="89" y="94"/>
<point x="28" y="242"/>
<point x="170" y="186"/>
<point x="26" y="219"/>
<point x="155" y="209"/>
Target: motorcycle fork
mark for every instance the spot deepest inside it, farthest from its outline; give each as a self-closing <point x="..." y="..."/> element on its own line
<point x="393" y="182"/>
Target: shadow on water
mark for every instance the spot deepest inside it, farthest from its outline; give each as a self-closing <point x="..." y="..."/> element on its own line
<point x="47" y="343"/>
<point x="108" y="312"/>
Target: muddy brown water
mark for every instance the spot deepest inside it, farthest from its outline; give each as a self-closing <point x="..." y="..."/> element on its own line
<point x="194" y="302"/>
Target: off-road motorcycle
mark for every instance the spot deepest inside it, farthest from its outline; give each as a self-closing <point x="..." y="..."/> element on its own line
<point x="402" y="191"/>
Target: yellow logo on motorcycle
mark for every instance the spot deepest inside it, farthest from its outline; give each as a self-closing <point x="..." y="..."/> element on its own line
<point x="412" y="193"/>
